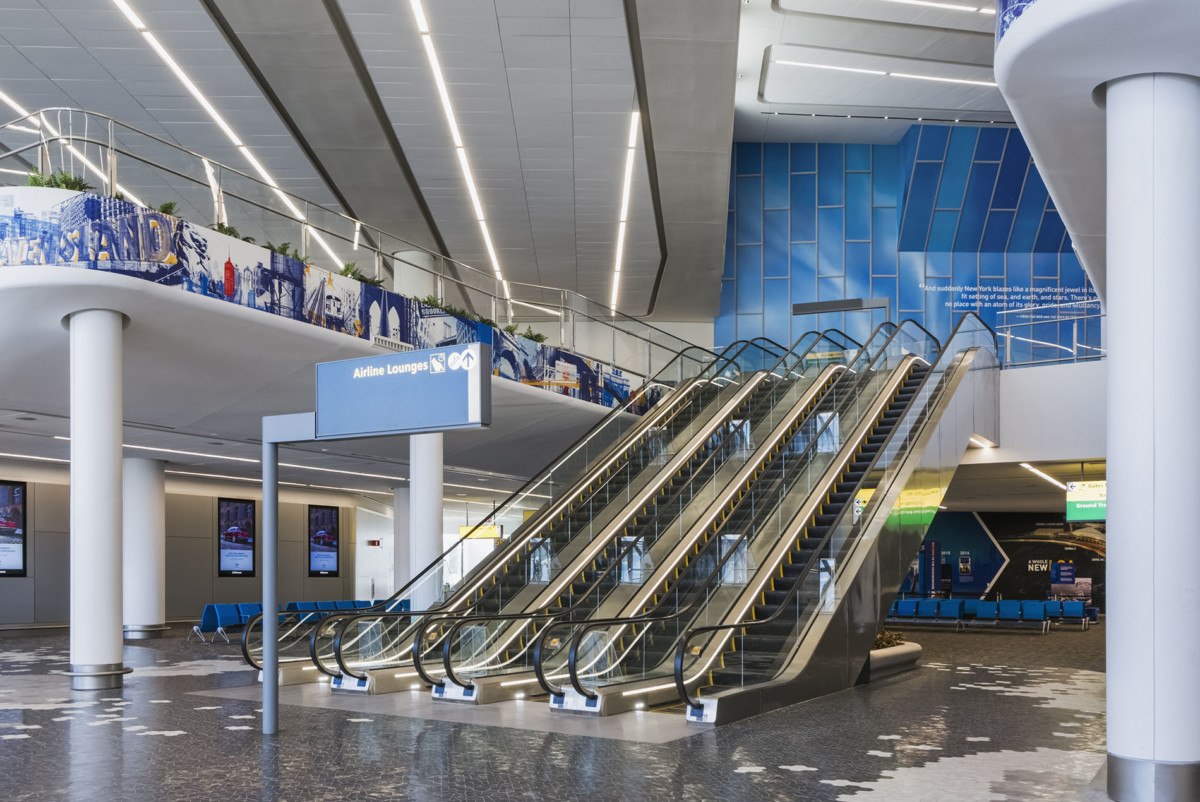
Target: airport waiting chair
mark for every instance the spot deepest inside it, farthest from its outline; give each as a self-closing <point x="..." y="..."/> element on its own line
<point x="362" y="603"/>
<point x="228" y="618"/>
<point x="927" y="609"/>
<point x="1054" y="611"/>
<point x="248" y="611"/>
<point x="347" y="605"/>
<point x="327" y="606"/>
<point x="208" y="624"/>
<point x="970" y="608"/>
<point x="987" y="612"/>
<point x="906" y="609"/>
<point x="950" y="611"/>
<point x="1075" y="612"/>
<point x="306" y="607"/>
<point x="1034" y="613"/>
<point x="1009" y="612"/>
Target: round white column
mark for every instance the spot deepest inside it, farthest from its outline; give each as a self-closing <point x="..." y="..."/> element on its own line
<point x="425" y="516"/>
<point x="401" y="568"/>
<point x="144" y="561"/>
<point x="96" y="427"/>
<point x="1153" y="436"/>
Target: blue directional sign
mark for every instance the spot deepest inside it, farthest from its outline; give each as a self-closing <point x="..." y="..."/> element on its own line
<point x="431" y="390"/>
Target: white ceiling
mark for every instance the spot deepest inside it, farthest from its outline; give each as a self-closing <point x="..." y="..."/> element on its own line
<point x="543" y="91"/>
<point x="85" y="54"/>
<point x="778" y="102"/>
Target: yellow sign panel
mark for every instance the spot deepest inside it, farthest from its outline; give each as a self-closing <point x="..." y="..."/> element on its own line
<point x="487" y="532"/>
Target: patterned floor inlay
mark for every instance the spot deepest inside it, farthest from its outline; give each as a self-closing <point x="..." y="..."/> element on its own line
<point x="988" y="716"/>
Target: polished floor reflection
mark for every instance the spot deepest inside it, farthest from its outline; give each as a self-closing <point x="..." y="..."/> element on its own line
<point x="989" y="716"/>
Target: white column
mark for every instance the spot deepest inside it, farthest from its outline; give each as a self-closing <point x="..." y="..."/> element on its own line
<point x="144" y="561"/>
<point x="96" y="426"/>
<point x="1153" y="436"/>
<point x="401" y="567"/>
<point x="425" y="516"/>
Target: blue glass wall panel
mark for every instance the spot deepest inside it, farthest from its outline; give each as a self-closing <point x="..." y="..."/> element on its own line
<point x="932" y="236"/>
<point x="775" y="175"/>
<point x="775" y="243"/>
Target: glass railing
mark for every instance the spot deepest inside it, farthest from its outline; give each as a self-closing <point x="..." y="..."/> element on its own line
<point x="537" y="551"/>
<point x="1053" y="334"/>
<point x="631" y="648"/>
<point x="500" y="644"/>
<point x="673" y="397"/>
<point x="123" y="161"/>
<point x="766" y="644"/>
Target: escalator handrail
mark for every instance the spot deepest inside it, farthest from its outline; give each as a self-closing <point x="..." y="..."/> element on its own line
<point x="539" y="614"/>
<point x="344" y="621"/>
<point x="814" y="559"/>
<point x="645" y="618"/>
<point x="881" y="353"/>
<point x="681" y="648"/>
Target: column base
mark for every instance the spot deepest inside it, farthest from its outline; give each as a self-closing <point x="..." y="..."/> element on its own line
<point x="102" y="677"/>
<point x="146" y="631"/>
<point x="1133" y="780"/>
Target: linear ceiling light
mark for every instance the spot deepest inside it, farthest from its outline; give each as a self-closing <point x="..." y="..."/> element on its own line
<point x="66" y="143"/>
<point x="976" y="8"/>
<point x="190" y="85"/>
<point x="464" y="163"/>
<point x="626" y="191"/>
<point x="1044" y="475"/>
<point x="886" y="74"/>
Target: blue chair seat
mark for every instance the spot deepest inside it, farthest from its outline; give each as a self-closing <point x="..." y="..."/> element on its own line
<point x="927" y="609"/>
<point x="346" y="605"/>
<point x="906" y="608"/>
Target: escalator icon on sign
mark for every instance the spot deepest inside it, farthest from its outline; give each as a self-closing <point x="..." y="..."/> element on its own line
<point x="462" y="360"/>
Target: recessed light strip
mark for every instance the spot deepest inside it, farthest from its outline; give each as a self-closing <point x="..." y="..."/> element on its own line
<point x="974" y="9"/>
<point x="885" y="73"/>
<point x="1044" y="475"/>
<point x="464" y="162"/>
<point x="190" y="85"/>
<point x="626" y="191"/>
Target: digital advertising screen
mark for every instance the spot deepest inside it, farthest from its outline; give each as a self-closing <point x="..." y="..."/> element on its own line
<point x="12" y="529"/>
<point x="323" y="533"/>
<point x="235" y="537"/>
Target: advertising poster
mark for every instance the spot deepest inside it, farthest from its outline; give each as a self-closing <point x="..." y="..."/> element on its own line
<point x="235" y="537"/>
<point x="322" y="541"/>
<point x="12" y="529"/>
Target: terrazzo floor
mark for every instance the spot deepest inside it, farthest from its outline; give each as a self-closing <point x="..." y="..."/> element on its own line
<point x="988" y="716"/>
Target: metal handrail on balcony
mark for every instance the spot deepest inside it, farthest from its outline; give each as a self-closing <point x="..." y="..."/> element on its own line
<point x="94" y="145"/>
<point x="1025" y="343"/>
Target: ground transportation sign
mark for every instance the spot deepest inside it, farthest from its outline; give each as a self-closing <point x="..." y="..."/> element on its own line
<point x="431" y="390"/>
<point x="1087" y="501"/>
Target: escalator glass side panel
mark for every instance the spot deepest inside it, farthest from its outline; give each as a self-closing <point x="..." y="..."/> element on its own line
<point x="806" y="583"/>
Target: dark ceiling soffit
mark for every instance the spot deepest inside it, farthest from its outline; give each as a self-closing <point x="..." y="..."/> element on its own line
<point x="360" y="70"/>
<point x="639" y="79"/>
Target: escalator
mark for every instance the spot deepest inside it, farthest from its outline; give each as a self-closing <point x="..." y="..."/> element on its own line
<point x="628" y="662"/>
<point x="600" y="465"/>
<point x="807" y="626"/>
<point x="619" y="482"/>
<point x="487" y="657"/>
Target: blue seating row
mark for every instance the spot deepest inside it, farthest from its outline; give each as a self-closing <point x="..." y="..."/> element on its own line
<point x="217" y="619"/>
<point x="977" y="612"/>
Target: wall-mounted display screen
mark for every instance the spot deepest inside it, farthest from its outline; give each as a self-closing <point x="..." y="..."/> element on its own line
<point x="12" y="529"/>
<point x="235" y="537"/>
<point x="323" y="534"/>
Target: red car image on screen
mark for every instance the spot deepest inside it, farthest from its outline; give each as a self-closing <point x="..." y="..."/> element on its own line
<point x="9" y="526"/>
<point x="236" y="534"/>
<point x="324" y="538"/>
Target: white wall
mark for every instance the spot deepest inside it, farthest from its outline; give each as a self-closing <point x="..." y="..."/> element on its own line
<point x="1055" y="412"/>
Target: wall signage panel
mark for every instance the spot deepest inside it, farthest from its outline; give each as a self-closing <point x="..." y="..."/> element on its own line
<point x="419" y="391"/>
<point x="1087" y="501"/>
<point x="13" y="545"/>
<point x="235" y="537"/>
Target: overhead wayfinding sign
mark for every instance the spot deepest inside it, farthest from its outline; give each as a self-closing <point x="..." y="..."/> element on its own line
<point x="431" y="390"/>
<point x="1087" y="501"/>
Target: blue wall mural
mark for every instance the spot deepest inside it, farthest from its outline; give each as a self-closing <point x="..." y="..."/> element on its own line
<point x="57" y="227"/>
<point x="951" y="219"/>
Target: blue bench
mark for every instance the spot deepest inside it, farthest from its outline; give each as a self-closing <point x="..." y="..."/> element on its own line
<point x="926" y="611"/>
<point x="1075" y="611"/>
<point x="216" y="620"/>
